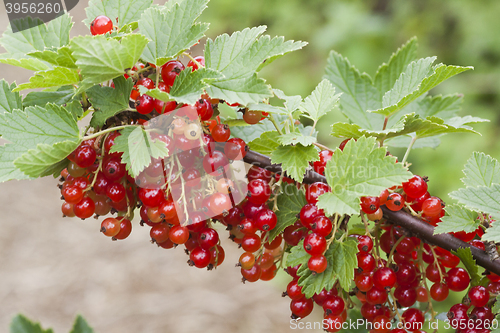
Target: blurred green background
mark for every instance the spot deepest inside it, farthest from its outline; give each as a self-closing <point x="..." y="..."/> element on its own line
<point x="367" y="32"/>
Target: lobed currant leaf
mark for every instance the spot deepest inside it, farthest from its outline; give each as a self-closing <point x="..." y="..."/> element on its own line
<point x="101" y="59"/>
<point x="9" y="100"/>
<point x="295" y="159"/>
<point x="108" y="101"/>
<point x="294" y="138"/>
<point x="292" y="103"/>
<point x="457" y="218"/>
<point x="290" y="201"/>
<point x="59" y="76"/>
<point x="21" y="324"/>
<point x="361" y="169"/>
<point x="321" y="101"/>
<point x="122" y="12"/>
<point x="249" y="133"/>
<point x="266" y="143"/>
<point x="61" y="57"/>
<point x="171" y="30"/>
<point x="481" y="199"/>
<point x="227" y="112"/>
<point x="481" y="170"/>
<point x="138" y="149"/>
<point x="387" y="74"/>
<point x="81" y="326"/>
<point x="358" y="92"/>
<point x="469" y="262"/>
<point x="61" y="96"/>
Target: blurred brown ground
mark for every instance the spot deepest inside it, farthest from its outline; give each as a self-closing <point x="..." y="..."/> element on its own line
<point x="53" y="268"/>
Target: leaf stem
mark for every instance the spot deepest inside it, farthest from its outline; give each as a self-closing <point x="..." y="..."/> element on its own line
<point x="108" y="130"/>
<point x="271" y="118"/>
<point x="412" y="142"/>
<point x="319" y="145"/>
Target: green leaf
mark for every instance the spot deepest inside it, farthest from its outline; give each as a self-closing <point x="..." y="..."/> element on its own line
<point x="496" y="307"/>
<point x="101" y="59"/>
<point x="404" y="142"/>
<point x="76" y="109"/>
<point x="414" y="82"/>
<point x="9" y="100"/>
<point x="361" y="169"/>
<point x="290" y="201"/>
<point x="481" y="170"/>
<point x="61" y="57"/>
<point x="187" y="88"/>
<point x="444" y="107"/>
<point x="266" y="143"/>
<point x="238" y="57"/>
<point x="21" y="324"/>
<point x="81" y="326"/>
<point x="109" y="101"/>
<point x="294" y="138"/>
<point x="321" y="101"/>
<point x="28" y="63"/>
<point x="481" y="199"/>
<point x="171" y="31"/>
<point x="341" y="257"/>
<point x="59" y="97"/>
<point x="35" y="125"/>
<point x="59" y="76"/>
<point x="33" y="36"/>
<point x="457" y="218"/>
<point x="387" y="74"/>
<point x="358" y="92"/>
<point x="267" y="108"/>
<point x="465" y="255"/>
<point x="292" y="103"/>
<point x="36" y="162"/>
<point x="227" y="112"/>
<point x="294" y="160"/>
<point x="126" y="11"/>
<point x="138" y="149"/>
<point x="250" y="133"/>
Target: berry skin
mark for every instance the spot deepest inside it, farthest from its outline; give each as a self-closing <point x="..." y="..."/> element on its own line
<point x="247" y="260"/>
<point x="432" y="207"/>
<point x="150" y="197"/>
<point x="395" y="202"/>
<point x="384" y="278"/>
<point x="259" y="191"/>
<point x="364" y="282"/>
<point x="376" y="296"/>
<point x="314" y="190"/>
<point x="194" y="65"/>
<point x="72" y="194"/>
<point x="343" y="143"/>
<point x="308" y="213"/>
<point x="235" y="149"/>
<point x="170" y="71"/>
<point x="458" y="315"/>
<point x="413" y="319"/>
<point x="266" y="220"/>
<point x="214" y="161"/>
<point x="159" y="233"/>
<point x="457" y="279"/>
<point x="251" y="243"/>
<point x="382" y="323"/>
<point x="125" y="228"/>
<point x="415" y="187"/>
<point x="199" y="257"/>
<point x="252" y="117"/>
<point x="251" y="275"/>
<point x="439" y="291"/>
<point x="301" y="308"/>
<point x="315" y="244"/>
<point x="322" y="226"/>
<point x="293" y="290"/>
<point x="406" y="296"/>
<point x="110" y="227"/>
<point x="317" y="264"/>
<point x="208" y="238"/>
<point x="221" y="133"/>
<point x="101" y="25"/>
<point x="366" y="262"/>
<point x="113" y="169"/>
<point x="145" y="104"/>
<point x="333" y="305"/>
<point x="67" y="209"/>
<point x="85" y="208"/>
<point x="220" y="203"/>
<point x="85" y="156"/>
<point x="256" y="172"/>
<point x="479" y="296"/>
<point x="116" y="192"/>
<point x="179" y="234"/>
<point x="204" y="109"/>
<point x="365" y="243"/>
<point x="370" y="205"/>
<point x="324" y="156"/>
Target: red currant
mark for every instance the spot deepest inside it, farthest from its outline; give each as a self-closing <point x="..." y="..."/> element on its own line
<point x="317" y="263"/>
<point x="101" y="25"/>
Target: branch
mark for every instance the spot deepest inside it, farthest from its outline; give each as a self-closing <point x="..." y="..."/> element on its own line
<point x="415" y="225"/>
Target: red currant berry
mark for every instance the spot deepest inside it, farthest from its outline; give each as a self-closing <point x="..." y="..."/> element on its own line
<point x="384" y="278"/>
<point x="415" y="187"/>
<point x="413" y="319"/>
<point x="146" y="104"/>
<point x="315" y="244"/>
<point x="457" y="279"/>
<point x="293" y="290"/>
<point x="301" y="308"/>
<point x="366" y="262"/>
<point x="221" y="133"/>
<point x="479" y="296"/>
<point x="170" y="71"/>
<point x="125" y="228"/>
<point x="253" y="274"/>
<point x="194" y="64"/>
<point x="317" y="264"/>
<point x="322" y="226"/>
<point x="85" y="208"/>
<point x="159" y="233"/>
<point x="179" y="234"/>
<point x="72" y="194"/>
<point x="370" y="205"/>
<point x="251" y="243"/>
<point x="235" y="149"/>
<point x="439" y="292"/>
<point x="432" y="207"/>
<point x="376" y="296"/>
<point x="199" y="257"/>
<point x="333" y="305"/>
<point x="252" y="117"/>
<point x="308" y="213"/>
<point x="265" y="220"/>
<point x="256" y="172"/>
<point x="151" y="197"/>
<point x="314" y="190"/>
<point x="395" y="202"/>
<point x="259" y="191"/>
<point x="116" y="192"/>
<point x="101" y="25"/>
<point x="113" y="169"/>
<point x="324" y="156"/>
<point x="208" y="238"/>
<point x="110" y="227"/>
